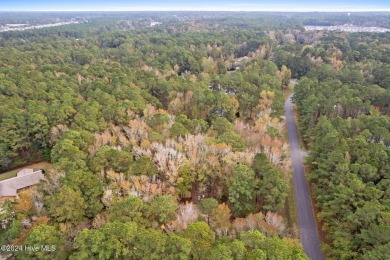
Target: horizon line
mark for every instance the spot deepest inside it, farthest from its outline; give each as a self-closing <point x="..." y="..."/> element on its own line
<point x="206" y="10"/>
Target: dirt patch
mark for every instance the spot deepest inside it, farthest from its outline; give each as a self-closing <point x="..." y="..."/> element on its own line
<point x="35" y="166"/>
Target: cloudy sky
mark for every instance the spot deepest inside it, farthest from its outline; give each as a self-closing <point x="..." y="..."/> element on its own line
<point x="194" y="5"/>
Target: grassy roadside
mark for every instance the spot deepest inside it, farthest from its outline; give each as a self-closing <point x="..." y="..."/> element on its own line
<point x="301" y="142"/>
<point x="291" y="206"/>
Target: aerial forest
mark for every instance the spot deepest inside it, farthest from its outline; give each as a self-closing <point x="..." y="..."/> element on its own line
<point x="169" y="141"/>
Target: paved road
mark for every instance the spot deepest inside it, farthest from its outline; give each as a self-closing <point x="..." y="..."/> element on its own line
<point x="307" y="226"/>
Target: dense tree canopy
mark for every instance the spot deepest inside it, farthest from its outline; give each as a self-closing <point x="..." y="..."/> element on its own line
<point x="168" y="141"/>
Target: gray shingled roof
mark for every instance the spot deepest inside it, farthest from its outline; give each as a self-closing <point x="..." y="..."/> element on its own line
<point x="24" y="178"/>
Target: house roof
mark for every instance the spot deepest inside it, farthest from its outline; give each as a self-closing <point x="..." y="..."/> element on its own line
<point x="24" y="178"/>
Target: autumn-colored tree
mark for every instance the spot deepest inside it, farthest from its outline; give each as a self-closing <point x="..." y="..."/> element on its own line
<point x="24" y="204"/>
<point x="285" y="75"/>
<point x="265" y="102"/>
<point x="220" y="219"/>
<point x="186" y="214"/>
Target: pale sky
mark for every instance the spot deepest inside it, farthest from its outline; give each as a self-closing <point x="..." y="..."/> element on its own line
<point x="195" y="5"/>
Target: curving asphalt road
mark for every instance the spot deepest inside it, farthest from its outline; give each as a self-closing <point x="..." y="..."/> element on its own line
<point x="307" y="225"/>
